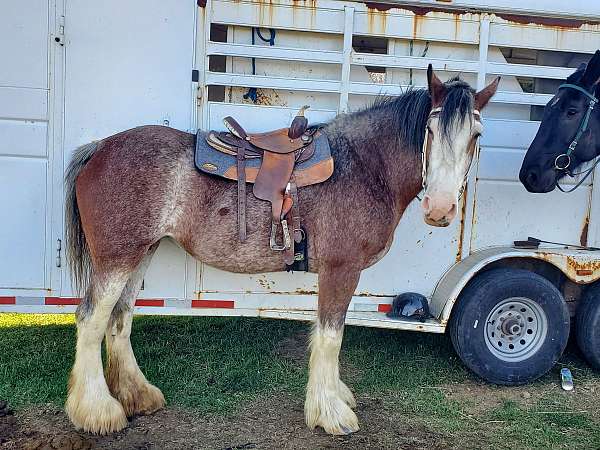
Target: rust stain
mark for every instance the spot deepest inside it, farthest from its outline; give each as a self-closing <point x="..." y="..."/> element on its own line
<point x="583" y="238"/>
<point x="368" y="294"/>
<point x="416" y="25"/>
<point x="265" y="13"/>
<point x="456" y="25"/>
<point x="580" y="270"/>
<point x="422" y="11"/>
<point x="304" y="8"/>
<point x="379" y="6"/>
<point x="583" y="266"/>
<point x="370" y="20"/>
<point x="376" y="21"/>
<point x="461" y="231"/>
<point x="516" y="18"/>
<point x="547" y="21"/>
<point x="305" y="292"/>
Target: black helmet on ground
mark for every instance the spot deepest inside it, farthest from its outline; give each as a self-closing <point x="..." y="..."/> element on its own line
<point x="410" y="306"/>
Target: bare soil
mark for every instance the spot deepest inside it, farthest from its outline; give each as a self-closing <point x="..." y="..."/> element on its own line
<point x="273" y="423"/>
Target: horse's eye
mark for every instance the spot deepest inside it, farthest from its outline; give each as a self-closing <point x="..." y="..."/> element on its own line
<point x="571" y="112"/>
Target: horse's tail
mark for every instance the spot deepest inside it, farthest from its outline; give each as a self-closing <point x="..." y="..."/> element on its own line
<point x="78" y="252"/>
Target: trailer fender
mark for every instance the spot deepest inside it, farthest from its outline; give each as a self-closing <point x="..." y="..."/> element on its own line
<point x="580" y="266"/>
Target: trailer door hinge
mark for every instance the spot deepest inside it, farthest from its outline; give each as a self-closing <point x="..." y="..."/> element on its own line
<point x="58" y="253"/>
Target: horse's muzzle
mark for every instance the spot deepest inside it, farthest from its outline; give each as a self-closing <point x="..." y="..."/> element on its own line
<point x="439" y="210"/>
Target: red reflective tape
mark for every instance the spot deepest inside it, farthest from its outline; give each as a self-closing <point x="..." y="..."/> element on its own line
<point x="149" y="302"/>
<point x="8" y="300"/>
<point x="384" y="308"/>
<point x="213" y="304"/>
<point x="61" y="301"/>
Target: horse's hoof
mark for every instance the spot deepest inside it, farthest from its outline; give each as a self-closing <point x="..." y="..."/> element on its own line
<point x="100" y="415"/>
<point x="139" y="398"/>
<point x="333" y="415"/>
<point x="151" y="400"/>
<point x="347" y="423"/>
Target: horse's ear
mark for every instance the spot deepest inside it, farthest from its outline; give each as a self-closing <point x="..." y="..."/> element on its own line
<point x="483" y="96"/>
<point x="437" y="90"/>
<point x="591" y="75"/>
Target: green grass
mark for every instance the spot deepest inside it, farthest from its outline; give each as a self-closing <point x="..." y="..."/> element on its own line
<point x="215" y="365"/>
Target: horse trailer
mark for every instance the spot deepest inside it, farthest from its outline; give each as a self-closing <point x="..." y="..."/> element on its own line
<point x="75" y="72"/>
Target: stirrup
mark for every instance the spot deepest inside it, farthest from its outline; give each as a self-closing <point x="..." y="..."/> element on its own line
<point x="287" y="240"/>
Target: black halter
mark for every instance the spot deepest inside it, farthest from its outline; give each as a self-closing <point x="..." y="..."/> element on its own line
<point x="563" y="161"/>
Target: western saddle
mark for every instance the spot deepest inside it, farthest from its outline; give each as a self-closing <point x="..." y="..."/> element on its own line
<point x="277" y="163"/>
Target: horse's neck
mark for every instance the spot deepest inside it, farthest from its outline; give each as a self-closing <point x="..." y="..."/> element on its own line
<point x="368" y="150"/>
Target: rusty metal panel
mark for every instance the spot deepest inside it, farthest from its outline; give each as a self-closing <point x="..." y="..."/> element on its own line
<point x="510" y="34"/>
<point x="405" y="24"/>
<point x="302" y="16"/>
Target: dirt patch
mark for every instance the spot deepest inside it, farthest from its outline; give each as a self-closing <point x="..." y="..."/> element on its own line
<point x="294" y="348"/>
<point x="270" y="423"/>
<point x="8" y="423"/>
<point x="480" y="398"/>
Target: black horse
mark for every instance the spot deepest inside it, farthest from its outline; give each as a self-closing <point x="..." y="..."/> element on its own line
<point x="569" y="134"/>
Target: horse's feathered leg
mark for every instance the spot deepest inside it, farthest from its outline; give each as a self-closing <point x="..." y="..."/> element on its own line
<point x="89" y="403"/>
<point x="125" y="380"/>
<point x="328" y="400"/>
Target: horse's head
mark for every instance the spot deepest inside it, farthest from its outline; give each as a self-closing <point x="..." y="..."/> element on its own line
<point x="451" y="140"/>
<point x="569" y="133"/>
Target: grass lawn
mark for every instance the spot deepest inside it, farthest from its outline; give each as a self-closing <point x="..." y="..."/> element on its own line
<point x="216" y="366"/>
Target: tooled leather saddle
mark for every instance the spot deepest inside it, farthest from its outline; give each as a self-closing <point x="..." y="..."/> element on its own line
<point x="277" y="162"/>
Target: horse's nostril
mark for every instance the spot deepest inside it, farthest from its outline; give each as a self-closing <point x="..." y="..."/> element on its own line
<point x="532" y="177"/>
<point x="426" y="204"/>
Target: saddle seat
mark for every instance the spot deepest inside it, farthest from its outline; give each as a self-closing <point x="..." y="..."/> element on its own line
<point x="276" y="164"/>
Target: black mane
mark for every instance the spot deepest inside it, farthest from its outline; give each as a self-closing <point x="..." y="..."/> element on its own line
<point x="407" y="114"/>
<point x="458" y="105"/>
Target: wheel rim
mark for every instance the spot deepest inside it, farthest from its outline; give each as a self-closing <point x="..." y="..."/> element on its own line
<point x="515" y="329"/>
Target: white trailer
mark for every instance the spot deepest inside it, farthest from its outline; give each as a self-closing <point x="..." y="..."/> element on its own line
<point x="73" y="71"/>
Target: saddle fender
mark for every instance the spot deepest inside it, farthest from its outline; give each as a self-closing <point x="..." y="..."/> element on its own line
<point x="579" y="266"/>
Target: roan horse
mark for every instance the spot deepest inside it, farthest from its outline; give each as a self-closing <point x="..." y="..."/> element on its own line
<point x="127" y="192"/>
<point x="569" y="134"/>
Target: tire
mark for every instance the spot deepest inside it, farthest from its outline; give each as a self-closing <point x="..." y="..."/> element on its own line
<point x="587" y="325"/>
<point x="532" y="312"/>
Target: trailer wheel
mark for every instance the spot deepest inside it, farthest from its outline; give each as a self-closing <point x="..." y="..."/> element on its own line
<point x="587" y="325"/>
<point x="510" y="326"/>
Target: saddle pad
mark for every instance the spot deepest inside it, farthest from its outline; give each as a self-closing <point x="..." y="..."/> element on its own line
<point x="312" y="171"/>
